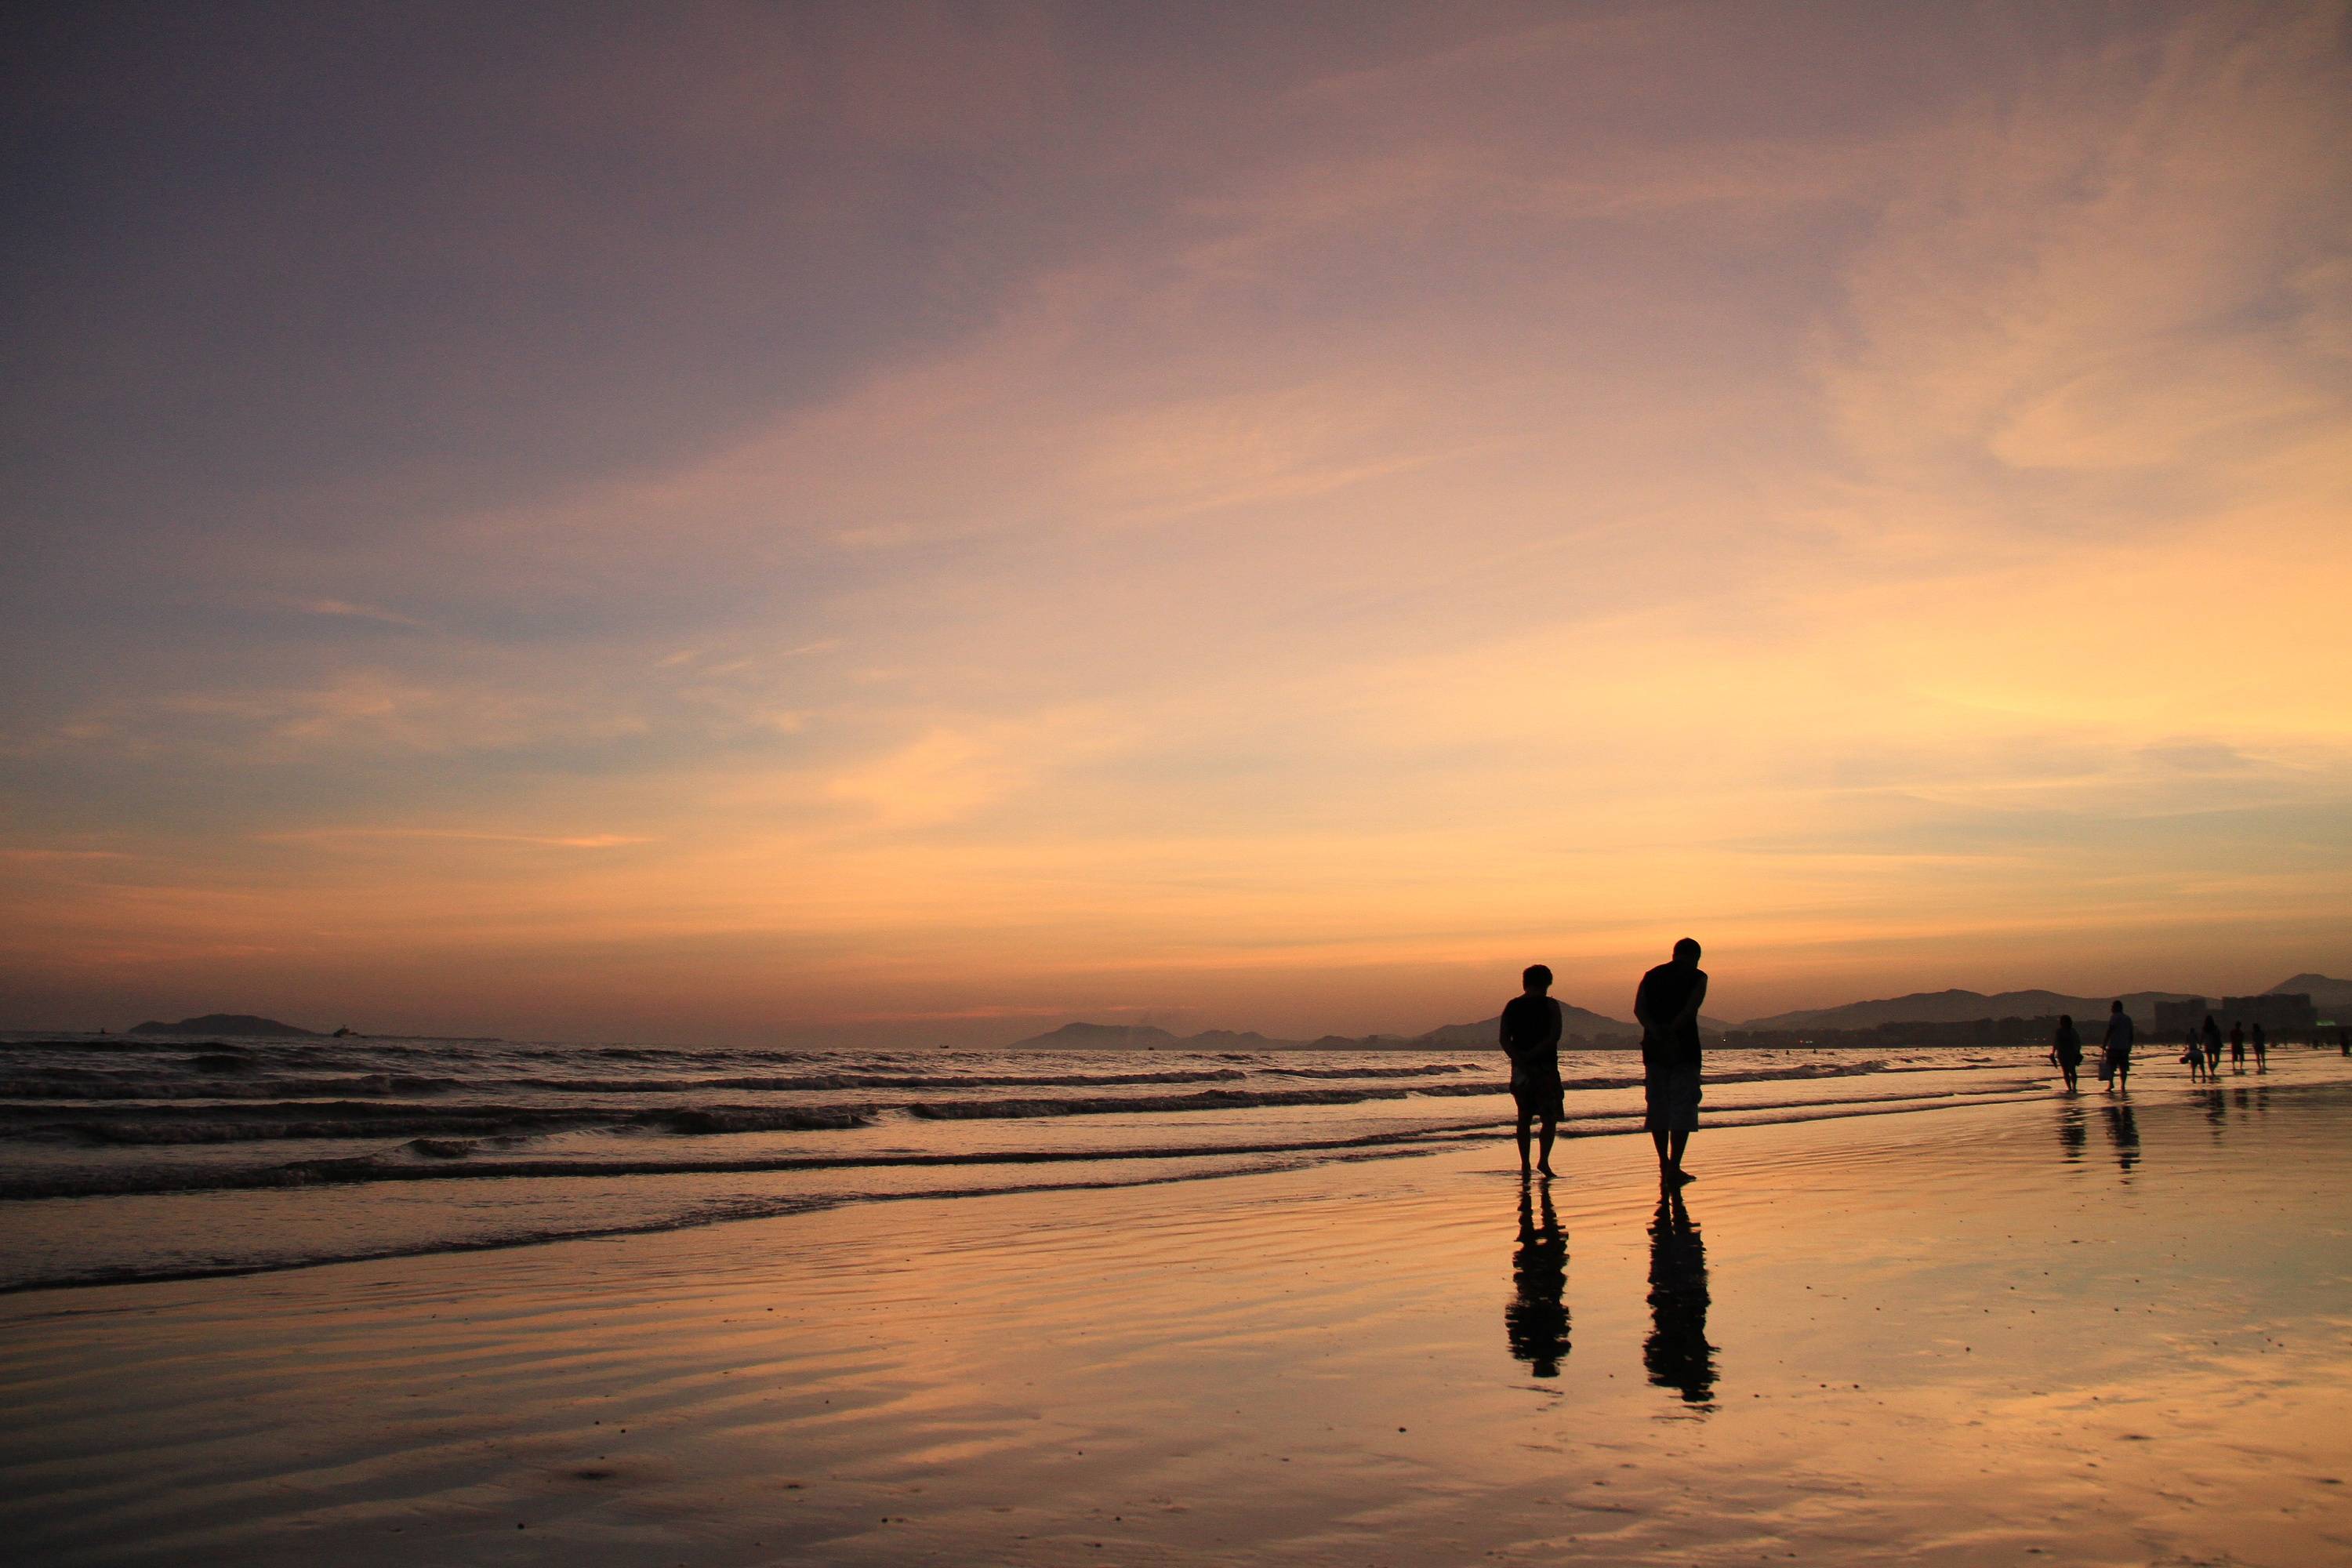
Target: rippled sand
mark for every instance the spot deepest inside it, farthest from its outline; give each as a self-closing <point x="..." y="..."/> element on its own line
<point x="2043" y="1330"/>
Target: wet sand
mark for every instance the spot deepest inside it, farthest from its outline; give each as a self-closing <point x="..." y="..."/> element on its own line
<point x="2041" y="1331"/>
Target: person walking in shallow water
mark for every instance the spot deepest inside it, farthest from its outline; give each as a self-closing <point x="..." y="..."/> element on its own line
<point x="2067" y="1050"/>
<point x="2262" y="1048"/>
<point x="1667" y="1004"/>
<point x="1530" y="1031"/>
<point x="2115" y="1066"/>
<point x="2237" y="1046"/>
<point x="2212" y="1049"/>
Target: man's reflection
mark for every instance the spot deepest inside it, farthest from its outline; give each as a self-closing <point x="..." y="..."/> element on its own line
<point x="1535" y="1320"/>
<point x="2073" y="1136"/>
<point x="1677" y="1353"/>
<point x="2125" y="1132"/>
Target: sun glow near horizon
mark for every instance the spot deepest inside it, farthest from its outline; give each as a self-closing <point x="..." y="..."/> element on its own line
<point x="980" y="517"/>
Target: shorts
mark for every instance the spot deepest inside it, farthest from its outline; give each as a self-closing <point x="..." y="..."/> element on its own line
<point x="1538" y="1090"/>
<point x="1670" y="1098"/>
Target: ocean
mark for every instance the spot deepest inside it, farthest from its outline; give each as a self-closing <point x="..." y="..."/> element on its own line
<point x="125" y="1158"/>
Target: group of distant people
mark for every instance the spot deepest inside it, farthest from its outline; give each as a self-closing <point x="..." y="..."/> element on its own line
<point x="1667" y="1003"/>
<point x="2200" y="1050"/>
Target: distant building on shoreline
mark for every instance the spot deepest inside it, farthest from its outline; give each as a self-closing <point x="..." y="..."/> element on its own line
<point x="2291" y="1012"/>
<point x="2180" y="1017"/>
<point x="2290" y="1015"/>
<point x="1898" y="1037"/>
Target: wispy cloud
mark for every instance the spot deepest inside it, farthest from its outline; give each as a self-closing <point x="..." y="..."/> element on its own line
<point x="344" y="610"/>
<point x="552" y="841"/>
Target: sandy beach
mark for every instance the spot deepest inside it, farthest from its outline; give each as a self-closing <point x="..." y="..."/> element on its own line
<point x="2081" y="1331"/>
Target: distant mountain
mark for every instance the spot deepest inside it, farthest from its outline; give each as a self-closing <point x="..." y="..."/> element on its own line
<point x="1573" y="1020"/>
<point x="1099" y="1036"/>
<point x="228" y="1024"/>
<point x="2326" y="994"/>
<point x="1961" y="1008"/>
<point x="1231" y="1040"/>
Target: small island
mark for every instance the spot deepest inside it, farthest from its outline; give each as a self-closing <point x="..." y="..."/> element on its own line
<point x="246" y="1023"/>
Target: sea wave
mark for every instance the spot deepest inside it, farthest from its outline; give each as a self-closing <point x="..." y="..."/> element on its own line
<point x="1126" y="1167"/>
<point x="444" y="1159"/>
<point x="238" y="1124"/>
<point x="397" y="1105"/>
<point x="819" y="1082"/>
<point x="66" y="1084"/>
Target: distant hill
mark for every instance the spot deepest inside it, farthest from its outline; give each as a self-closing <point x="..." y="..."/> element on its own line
<point x="2327" y="995"/>
<point x="228" y="1024"/>
<point x="1099" y="1036"/>
<point x="1961" y="1008"/>
<point x="1573" y="1020"/>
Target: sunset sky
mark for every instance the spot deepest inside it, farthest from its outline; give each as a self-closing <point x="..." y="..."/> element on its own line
<point x="895" y="523"/>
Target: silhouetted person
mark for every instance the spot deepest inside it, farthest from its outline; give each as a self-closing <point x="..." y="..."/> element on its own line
<point x="1677" y="1353"/>
<point x="2067" y="1050"/>
<point x="1535" y="1320"/>
<point x="2124" y="1128"/>
<point x="2343" y="1042"/>
<point x="2192" y="1051"/>
<point x="2115" y="1064"/>
<point x="2212" y="1049"/>
<point x="2262" y="1048"/>
<point x="1530" y="1031"/>
<point x="1667" y="1004"/>
<point x="2237" y="1046"/>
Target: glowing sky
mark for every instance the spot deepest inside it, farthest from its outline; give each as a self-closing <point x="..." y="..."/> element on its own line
<point x="878" y="522"/>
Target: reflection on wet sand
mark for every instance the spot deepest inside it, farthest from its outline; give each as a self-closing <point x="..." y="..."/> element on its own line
<point x="1536" y="1319"/>
<point x="2124" y="1132"/>
<point x="1677" y="1353"/>
<point x="2072" y="1134"/>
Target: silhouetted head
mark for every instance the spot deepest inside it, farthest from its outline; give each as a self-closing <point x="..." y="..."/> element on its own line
<point x="2067" y="1019"/>
<point x="2114" y="1008"/>
<point x="1536" y="977"/>
<point x="1687" y="952"/>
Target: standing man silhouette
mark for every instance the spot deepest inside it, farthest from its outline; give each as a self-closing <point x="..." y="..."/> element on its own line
<point x="1530" y="1032"/>
<point x="2118" y="1065"/>
<point x="1667" y="1006"/>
